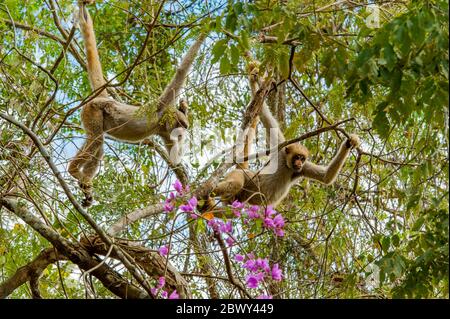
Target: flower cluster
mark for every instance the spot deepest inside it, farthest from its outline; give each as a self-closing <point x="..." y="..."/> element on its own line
<point x="223" y="228"/>
<point x="190" y="207"/>
<point x="170" y="202"/>
<point x="273" y="220"/>
<point x="259" y="270"/>
<point x="270" y="218"/>
<point x="164" y="294"/>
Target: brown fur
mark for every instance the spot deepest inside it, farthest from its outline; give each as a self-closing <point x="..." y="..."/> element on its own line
<point x="271" y="185"/>
<point x="263" y="188"/>
<point x="104" y="115"/>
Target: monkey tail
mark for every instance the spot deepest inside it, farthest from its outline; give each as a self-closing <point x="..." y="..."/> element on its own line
<point x="94" y="66"/>
<point x="173" y="89"/>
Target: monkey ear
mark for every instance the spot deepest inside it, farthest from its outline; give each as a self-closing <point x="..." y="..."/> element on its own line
<point x="287" y="150"/>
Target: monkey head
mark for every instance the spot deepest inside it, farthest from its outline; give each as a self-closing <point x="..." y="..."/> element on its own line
<point x="296" y="156"/>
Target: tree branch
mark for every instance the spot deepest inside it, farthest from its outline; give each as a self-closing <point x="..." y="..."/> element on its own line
<point x="112" y="280"/>
<point x="29" y="271"/>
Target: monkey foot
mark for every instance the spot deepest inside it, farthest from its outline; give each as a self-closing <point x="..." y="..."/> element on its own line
<point x="87" y="201"/>
<point x="88" y="198"/>
<point x="353" y="141"/>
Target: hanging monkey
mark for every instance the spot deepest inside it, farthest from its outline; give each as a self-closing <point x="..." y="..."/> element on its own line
<point x="103" y="115"/>
<point x="272" y="184"/>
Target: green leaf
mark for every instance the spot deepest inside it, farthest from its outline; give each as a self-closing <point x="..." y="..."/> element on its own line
<point x="381" y="124"/>
<point x="418" y="224"/>
<point x="388" y="57"/>
<point x="218" y="50"/>
<point x="234" y="55"/>
<point x="225" y="65"/>
<point x="283" y="64"/>
<point x="395" y="240"/>
<point x="230" y="22"/>
<point x="385" y="243"/>
<point x="243" y="40"/>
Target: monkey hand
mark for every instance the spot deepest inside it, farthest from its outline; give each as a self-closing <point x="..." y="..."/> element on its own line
<point x="353" y="141"/>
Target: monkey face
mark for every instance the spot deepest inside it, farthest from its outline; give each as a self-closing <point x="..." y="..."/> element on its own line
<point x="296" y="155"/>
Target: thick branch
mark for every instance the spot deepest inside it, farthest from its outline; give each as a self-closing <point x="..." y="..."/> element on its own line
<point x="152" y="262"/>
<point x="75" y="203"/>
<point x="32" y="269"/>
<point x="77" y="254"/>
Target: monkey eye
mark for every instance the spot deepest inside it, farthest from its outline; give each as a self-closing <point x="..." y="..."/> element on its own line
<point x="299" y="157"/>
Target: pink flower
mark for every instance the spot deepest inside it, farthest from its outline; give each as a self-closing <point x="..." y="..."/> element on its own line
<point x="194" y="216"/>
<point x="237" y="205"/>
<point x="164" y="294"/>
<point x="161" y="282"/>
<point x="239" y="258"/>
<point x="178" y="187"/>
<point x="172" y="196"/>
<point x="254" y="280"/>
<point x="193" y="202"/>
<point x="226" y="228"/>
<point x="213" y="224"/>
<point x="250" y="265"/>
<point x="264" y="297"/>
<point x="278" y="221"/>
<point x="279" y="232"/>
<point x="164" y="250"/>
<point x="253" y="212"/>
<point x="190" y="206"/>
<point x="168" y="207"/>
<point x="268" y="222"/>
<point x="263" y="264"/>
<point x="186" y="208"/>
<point x="230" y="241"/>
<point x="174" y="295"/>
<point x="154" y="291"/>
<point x="276" y="273"/>
<point x="269" y="211"/>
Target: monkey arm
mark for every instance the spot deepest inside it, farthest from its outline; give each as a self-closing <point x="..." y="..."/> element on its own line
<point x="274" y="133"/>
<point x="94" y="66"/>
<point x="270" y="123"/>
<point x="172" y="90"/>
<point x="327" y="174"/>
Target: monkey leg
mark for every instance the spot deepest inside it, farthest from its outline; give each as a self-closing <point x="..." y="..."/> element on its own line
<point x="90" y="169"/>
<point x="76" y="163"/>
<point x="85" y="165"/>
<point x="231" y="186"/>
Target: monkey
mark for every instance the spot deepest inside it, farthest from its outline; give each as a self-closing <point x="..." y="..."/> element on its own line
<point x="270" y="188"/>
<point x="272" y="184"/>
<point x="104" y="115"/>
